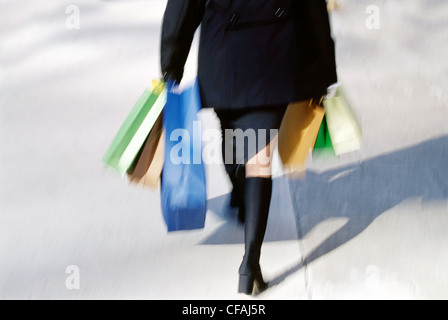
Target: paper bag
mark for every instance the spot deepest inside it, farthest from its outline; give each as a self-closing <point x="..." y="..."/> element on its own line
<point x="298" y="133"/>
<point x="344" y="128"/>
<point x="135" y="129"/>
<point x="147" y="169"/>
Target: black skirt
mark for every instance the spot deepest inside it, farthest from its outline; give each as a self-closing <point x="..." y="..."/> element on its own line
<point x="246" y="132"/>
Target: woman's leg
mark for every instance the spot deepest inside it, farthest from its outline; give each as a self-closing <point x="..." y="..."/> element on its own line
<point x="251" y="178"/>
<point x="258" y="191"/>
<point x="236" y="172"/>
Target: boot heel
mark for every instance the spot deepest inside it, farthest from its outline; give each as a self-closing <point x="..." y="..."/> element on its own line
<point x="246" y="285"/>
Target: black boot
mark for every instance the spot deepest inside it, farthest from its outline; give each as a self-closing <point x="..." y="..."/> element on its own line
<point x="238" y="179"/>
<point x="258" y="194"/>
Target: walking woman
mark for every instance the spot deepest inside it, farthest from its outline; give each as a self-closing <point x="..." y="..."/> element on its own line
<point x="255" y="57"/>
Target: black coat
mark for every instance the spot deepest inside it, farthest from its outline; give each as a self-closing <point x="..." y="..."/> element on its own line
<point x="252" y="52"/>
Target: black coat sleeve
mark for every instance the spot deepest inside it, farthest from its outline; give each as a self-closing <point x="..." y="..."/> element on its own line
<point x="181" y="19"/>
<point x="324" y="43"/>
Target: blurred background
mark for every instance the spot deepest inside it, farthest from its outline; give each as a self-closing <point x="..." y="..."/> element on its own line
<point x="371" y="225"/>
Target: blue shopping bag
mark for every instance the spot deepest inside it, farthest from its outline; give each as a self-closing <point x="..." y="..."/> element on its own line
<point x="184" y="196"/>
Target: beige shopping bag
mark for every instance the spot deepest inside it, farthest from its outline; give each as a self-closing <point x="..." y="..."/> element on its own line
<point x="148" y="166"/>
<point x="298" y="134"/>
<point x="344" y="127"/>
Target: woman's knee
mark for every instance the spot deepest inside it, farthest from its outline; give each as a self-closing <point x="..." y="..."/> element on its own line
<point x="260" y="165"/>
<point x="258" y="171"/>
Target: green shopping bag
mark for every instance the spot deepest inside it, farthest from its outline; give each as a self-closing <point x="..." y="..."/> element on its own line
<point x="136" y="128"/>
<point x="324" y="146"/>
<point x="344" y="128"/>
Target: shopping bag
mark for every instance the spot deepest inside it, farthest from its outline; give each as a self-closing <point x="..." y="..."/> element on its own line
<point x="184" y="196"/>
<point x="135" y="129"/>
<point x="147" y="168"/>
<point x="344" y="128"/>
<point x="324" y="146"/>
<point x="298" y="134"/>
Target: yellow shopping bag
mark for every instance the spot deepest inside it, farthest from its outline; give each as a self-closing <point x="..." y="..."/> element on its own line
<point x="298" y="134"/>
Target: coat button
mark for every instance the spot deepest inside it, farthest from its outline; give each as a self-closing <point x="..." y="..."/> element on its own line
<point x="234" y="20"/>
<point x="279" y="13"/>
